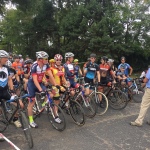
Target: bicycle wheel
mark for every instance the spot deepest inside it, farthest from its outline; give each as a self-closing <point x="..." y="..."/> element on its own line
<point x="26" y="128"/>
<point x="88" y="105"/>
<point x="77" y="113"/>
<point x="3" y="121"/>
<point x="128" y="93"/>
<point x="102" y="106"/>
<point x="135" y="96"/>
<point x="117" y="99"/>
<point x="54" y="111"/>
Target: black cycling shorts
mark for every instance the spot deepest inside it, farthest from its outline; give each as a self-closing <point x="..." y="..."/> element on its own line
<point x="5" y="94"/>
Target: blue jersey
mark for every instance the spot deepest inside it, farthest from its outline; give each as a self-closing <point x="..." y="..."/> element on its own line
<point x="148" y="77"/>
<point x="91" y="70"/>
<point x="76" y="70"/>
<point x="127" y="66"/>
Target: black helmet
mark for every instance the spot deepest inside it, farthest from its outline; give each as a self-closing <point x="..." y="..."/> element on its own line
<point x="93" y="55"/>
<point x="28" y="61"/>
<point x="105" y="58"/>
<point x="123" y="58"/>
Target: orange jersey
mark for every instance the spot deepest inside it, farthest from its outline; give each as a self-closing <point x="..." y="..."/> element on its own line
<point x="18" y="67"/>
<point x="105" y="69"/>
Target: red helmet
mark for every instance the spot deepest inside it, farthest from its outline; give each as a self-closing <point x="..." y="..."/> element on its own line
<point x="58" y="57"/>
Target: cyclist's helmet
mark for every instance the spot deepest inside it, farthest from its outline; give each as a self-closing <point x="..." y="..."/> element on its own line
<point x="8" y="63"/>
<point x="3" y="54"/>
<point x="20" y="55"/>
<point x="52" y="61"/>
<point x="58" y="57"/>
<point x="93" y="55"/>
<point x="28" y="61"/>
<point x="123" y="58"/>
<point x="42" y="54"/>
<point x="110" y="60"/>
<point x="105" y="58"/>
<point x="76" y="60"/>
<point x="69" y="54"/>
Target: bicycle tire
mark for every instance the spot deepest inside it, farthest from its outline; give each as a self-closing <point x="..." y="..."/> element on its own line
<point x="136" y="96"/>
<point x="117" y="99"/>
<point x="26" y="128"/>
<point x="3" y="121"/>
<point x="88" y="105"/>
<point x="100" y="110"/>
<point x="75" y="109"/>
<point x="51" y="116"/>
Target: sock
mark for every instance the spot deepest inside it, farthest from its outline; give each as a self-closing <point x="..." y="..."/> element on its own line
<point x="43" y="104"/>
<point x="15" y="119"/>
<point x="31" y="119"/>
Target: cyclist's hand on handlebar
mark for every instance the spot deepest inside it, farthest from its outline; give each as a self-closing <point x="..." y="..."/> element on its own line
<point x="12" y="92"/>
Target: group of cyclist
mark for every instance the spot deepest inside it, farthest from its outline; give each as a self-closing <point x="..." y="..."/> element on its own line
<point x="37" y="75"/>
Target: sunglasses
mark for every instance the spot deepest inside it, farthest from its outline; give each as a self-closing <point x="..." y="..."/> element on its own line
<point x="93" y="58"/>
<point x="45" y="58"/>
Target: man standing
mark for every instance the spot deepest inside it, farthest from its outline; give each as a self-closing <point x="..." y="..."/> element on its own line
<point x="145" y="102"/>
<point x="127" y="67"/>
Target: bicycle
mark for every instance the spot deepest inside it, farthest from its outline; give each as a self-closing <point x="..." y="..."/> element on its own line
<point x="6" y="120"/>
<point x="88" y="105"/>
<point x="52" y="110"/>
<point x="72" y="107"/>
<point x="96" y="95"/>
<point x="116" y="98"/>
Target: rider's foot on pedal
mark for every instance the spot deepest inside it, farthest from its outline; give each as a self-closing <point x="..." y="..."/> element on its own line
<point x="101" y="105"/>
<point x="33" y="125"/>
<point x="57" y="120"/>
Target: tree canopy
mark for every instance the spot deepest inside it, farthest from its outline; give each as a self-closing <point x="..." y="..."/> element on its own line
<point x="106" y="27"/>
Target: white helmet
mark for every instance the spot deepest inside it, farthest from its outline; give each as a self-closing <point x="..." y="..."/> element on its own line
<point x="110" y="60"/>
<point x="41" y="54"/>
<point x="20" y="55"/>
<point x="58" y="57"/>
<point x="3" y="54"/>
<point x="8" y="63"/>
<point x="69" y="54"/>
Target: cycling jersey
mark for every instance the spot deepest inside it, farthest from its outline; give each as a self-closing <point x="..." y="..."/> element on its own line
<point x="76" y="69"/>
<point x="91" y="70"/>
<point x="18" y="67"/>
<point x="69" y="70"/>
<point x="4" y="73"/>
<point x="26" y="69"/>
<point x="36" y="70"/>
<point x="127" y="66"/>
<point x="12" y="75"/>
<point x="58" y="74"/>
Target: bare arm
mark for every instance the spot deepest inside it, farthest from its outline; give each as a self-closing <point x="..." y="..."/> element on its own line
<point x="10" y="83"/>
<point x="98" y="76"/>
<point x="131" y="70"/>
<point x="51" y="78"/>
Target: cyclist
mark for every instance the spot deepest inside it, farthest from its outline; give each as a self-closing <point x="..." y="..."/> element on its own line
<point x="90" y="71"/>
<point x="121" y="75"/>
<point x="77" y="68"/>
<point x="52" y="62"/>
<point x="59" y="76"/>
<point x="18" y="67"/>
<point x="106" y="74"/>
<point x="38" y="70"/>
<point x="21" y="59"/>
<point x="127" y="67"/>
<point x="6" y="84"/>
<point x="69" y="71"/>
<point x="112" y="66"/>
<point x="26" y="69"/>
